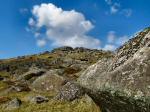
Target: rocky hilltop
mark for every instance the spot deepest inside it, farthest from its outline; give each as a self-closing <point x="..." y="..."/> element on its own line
<point x="63" y="58"/>
<point x="79" y="79"/>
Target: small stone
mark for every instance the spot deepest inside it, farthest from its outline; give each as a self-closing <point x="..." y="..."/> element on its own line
<point x="38" y="99"/>
<point x="148" y="86"/>
<point x="13" y="104"/>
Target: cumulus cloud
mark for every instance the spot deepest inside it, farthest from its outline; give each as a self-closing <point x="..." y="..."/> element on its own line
<point x="63" y="28"/>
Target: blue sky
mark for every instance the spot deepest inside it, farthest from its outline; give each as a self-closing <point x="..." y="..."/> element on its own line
<point x="102" y="24"/>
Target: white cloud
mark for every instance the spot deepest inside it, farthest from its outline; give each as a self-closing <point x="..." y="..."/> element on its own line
<point x="115" y="8"/>
<point x="122" y="40"/>
<point x="41" y="42"/>
<point x="109" y="47"/>
<point x="127" y="12"/>
<point x="31" y="22"/>
<point x="37" y="34"/>
<point x="64" y="28"/>
<point x="27" y="29"/>
<point x="109" y="2"/>
<point x="111" y="36"/>
<point x="114" y="41"/>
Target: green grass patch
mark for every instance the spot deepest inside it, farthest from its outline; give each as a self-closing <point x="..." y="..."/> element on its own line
<point x="79" y="105"/>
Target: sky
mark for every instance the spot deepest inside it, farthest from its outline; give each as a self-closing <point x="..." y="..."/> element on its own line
<point x="34" y="26"/>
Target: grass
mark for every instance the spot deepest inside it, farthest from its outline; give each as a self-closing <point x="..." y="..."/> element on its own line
<point x="3" y="85"/>
<point x="4" y="74"/>
<point x="79" y="105"/>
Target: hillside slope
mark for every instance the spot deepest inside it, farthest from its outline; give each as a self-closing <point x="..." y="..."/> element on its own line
<point x="46" y="77"/>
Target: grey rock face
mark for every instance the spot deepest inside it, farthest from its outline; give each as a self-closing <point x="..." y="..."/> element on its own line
<point x="69" y="92"/>
<point x="126" y="87"/>
<point x="49" y="81"/>
<point x="33" y="72"/>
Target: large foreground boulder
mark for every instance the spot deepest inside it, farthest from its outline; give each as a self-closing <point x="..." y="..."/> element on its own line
<point x="122" y="84"/>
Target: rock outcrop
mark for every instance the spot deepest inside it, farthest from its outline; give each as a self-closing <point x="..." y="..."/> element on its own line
<point x="122" y="83"/>
<point x="64" y="58"/>
<point x="33" y="72"/>
<point x="70" y="91"/>
<point x="50" y="81"/>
